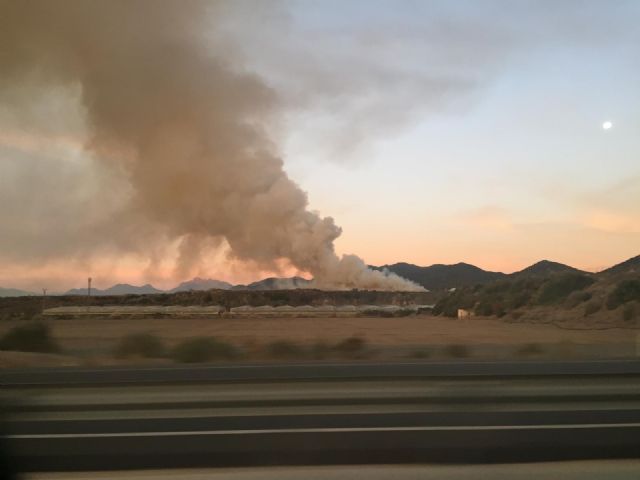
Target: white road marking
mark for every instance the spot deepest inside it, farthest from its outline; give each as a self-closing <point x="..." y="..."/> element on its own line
<point x="323" y="430"/>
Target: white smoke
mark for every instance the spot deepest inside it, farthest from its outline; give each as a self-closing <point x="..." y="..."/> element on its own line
<point x="183" y="126"/>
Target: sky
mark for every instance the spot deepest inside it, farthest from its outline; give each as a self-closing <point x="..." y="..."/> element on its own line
<point x="431" y="131"/>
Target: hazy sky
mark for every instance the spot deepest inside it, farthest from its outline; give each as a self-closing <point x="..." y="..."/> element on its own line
<point x="504" y="161"/>
<point x="431" y="131"/>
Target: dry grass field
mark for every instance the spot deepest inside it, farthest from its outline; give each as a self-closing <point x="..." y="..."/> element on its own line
<point x="483" y="337"/>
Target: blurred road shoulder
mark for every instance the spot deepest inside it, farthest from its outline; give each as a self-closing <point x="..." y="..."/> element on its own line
<point x="580" y="470"/>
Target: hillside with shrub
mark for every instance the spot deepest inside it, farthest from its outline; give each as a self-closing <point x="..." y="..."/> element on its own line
<point x="563" y="296"/>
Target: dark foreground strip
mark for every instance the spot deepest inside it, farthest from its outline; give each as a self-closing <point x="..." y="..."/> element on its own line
<point x="25" y="407"/>
<point x="324" y="421"/>
<point x="310" y="372"/>
<point x="327" y="446"/>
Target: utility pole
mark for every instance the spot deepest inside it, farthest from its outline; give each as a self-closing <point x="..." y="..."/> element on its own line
<point x="88" y="292"/>
<point x="44" y="298"/>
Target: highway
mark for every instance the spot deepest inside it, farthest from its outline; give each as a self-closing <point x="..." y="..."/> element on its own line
<point x="575" y="470"/>
<point x="331" y="414"/>
<point x="198" y="374"/>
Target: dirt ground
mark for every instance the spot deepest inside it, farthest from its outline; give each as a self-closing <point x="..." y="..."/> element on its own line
<point x="86" y="335"/>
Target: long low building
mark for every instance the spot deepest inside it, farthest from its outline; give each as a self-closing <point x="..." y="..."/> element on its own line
<point x="289" y="311"/>
<point x="327" y="310"/>
<point x="242" y="311"/>
<point x="117" y="310"/>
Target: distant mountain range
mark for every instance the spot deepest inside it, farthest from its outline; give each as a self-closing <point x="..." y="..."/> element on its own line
<point x="433" y="277"/>
<point x="271" y="283"/>
<point x="126" y="289"/>
<point x="275" y="283"/>
<point x="201" y="284"/>
<point x="14" y="292"/>
<point x="438" y="276"/>
<point x="119" y="289"/>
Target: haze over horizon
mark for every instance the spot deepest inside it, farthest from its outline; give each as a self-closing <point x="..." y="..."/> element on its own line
<point x="439" y="132"/>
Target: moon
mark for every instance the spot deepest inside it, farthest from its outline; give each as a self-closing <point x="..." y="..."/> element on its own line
<point x="607" y="125"/>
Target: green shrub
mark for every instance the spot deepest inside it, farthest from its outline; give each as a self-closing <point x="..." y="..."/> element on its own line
<point x="31" y="337"/>
<point x="625" y="291"/>
<point x="499" y="287"/>
<point x="203" y="349"/>
<point x="519" y="299"/>
<point x="457" y="351"/>
<point x="559" y="287"/>
<point x="379" y="313"/>
<point x="351" y="346"/>
<point x="629" y="311"/>
<point x="207" y="298"/>
<point x="140" y="345"/>
<point x="592" y="307"/>
<point x="320" y="350"/>
<point x="285" y="349"/>
<point x="529" y="350"/>
<point x="484" y="309"/>
<point x="449" y="305"/>
<point x="420" y="353"/>
<point x="135" y="299"/>
<point x="576" y="298"/>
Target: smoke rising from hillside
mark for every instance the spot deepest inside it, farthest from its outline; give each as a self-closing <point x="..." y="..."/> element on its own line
<point x="185" y="126"/>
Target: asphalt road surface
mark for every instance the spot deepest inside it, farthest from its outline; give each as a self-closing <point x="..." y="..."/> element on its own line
<point x="423" y="413"/>
<point x="204" y="374"/>
<point x="580" y="470"/>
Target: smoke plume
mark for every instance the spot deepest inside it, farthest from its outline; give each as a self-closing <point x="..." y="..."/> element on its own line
<point x="185" y="125"/>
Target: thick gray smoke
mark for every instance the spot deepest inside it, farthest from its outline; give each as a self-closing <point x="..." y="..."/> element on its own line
<point x="184" y="126"/>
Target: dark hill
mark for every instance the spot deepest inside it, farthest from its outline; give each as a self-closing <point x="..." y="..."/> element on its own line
<point x="438" y="276"/>
<point x="201" y="284"/>
<point x="545" y="268"/>
<point x="628" y="266"/>
<point x="275" y="283"/>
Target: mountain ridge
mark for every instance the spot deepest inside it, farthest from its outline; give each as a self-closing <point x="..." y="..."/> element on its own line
<point x="198" y="283"/>
<point x="433" y="277"/>
<point x="630" y="265"/>
<point x="545" y="268"/>
<point x="440" y="276"/>
<point x="275" y="283"/>
<point x="14" y="292"/>
<point x="117" y="289"/>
